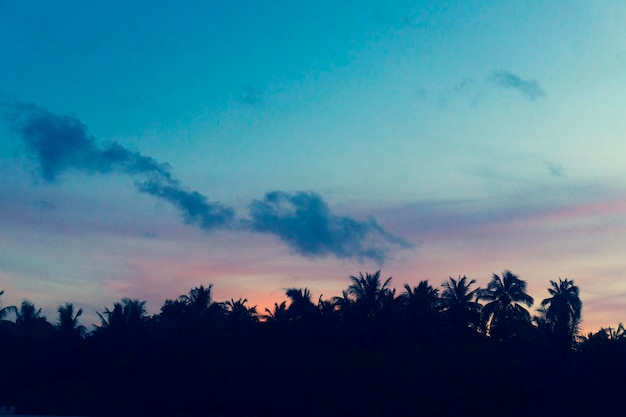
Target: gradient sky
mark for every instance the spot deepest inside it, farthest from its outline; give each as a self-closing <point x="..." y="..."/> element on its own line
<point x="151" y="147"/>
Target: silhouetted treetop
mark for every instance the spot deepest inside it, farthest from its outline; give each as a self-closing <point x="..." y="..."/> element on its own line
<point x="459" y="302"/>
<point x="369" y="294"/>
<point x="240" y="312"/>
<point x="562" y="312"/>
<point x="504" y="314"/>
<point x="279" y="314"/>
<point x="67" y="323"/>
<point x="5" y="311"/>
<point x="125" y="314"/>
<point x="399" y="356"/>
<point x="29" y="317"/>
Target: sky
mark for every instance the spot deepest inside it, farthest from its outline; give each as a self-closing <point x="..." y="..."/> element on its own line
<point x="151" y="147"/>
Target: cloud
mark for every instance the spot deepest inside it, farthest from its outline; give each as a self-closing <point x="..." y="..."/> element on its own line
<point x="194" y="206"/>
<point x="304" y="221"/>
<point x="529" y="88"/>
<point x="63" y="143"/>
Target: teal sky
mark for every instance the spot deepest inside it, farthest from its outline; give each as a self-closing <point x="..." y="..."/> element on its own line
<point x="429" y="139"/>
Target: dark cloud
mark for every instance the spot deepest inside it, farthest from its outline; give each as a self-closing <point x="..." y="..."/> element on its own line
<point x="529" y="88"/>
<point x="304" y="221"/>
<point x="63" y="143"/>
<point x="195" y="207"/>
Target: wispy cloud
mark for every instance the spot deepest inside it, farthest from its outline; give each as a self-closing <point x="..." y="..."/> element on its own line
<point x="302" y="220"/>
<point x="537" y="212"/>
<point x="528" y="88"/>
<point x="196" y="208"/>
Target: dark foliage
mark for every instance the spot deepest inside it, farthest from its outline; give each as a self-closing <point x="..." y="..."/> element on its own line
<point x="365" y="353"/>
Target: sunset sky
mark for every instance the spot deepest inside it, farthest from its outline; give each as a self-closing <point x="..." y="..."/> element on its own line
<point x="149" y="147"/>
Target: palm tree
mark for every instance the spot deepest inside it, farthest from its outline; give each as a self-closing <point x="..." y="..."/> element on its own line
<point x="344" y="303"/>
<point x="563" y="311"/>
<point x="604" y="338"/>
<point x="279" y="314"/>
<point x="459" y="302"/>
<point x="370" y="296"/>
<point x="173" y="310"/>
<point x="612" y="334"/>
<point x="542" y="322"/>
<point x="29" y="317"/>
<point x="616" y="334"/>
<point x="238" y="311"/>
<point x="128" y="313"/>
<point x="301" y="306"/>
<point x="327" y="309"/>
<point x="68" y="321"/>
<point x="4" y="311"/>
<point x="199" y="298"/>
<point x="504" y="315"/>
<point x="422" y="304"/>
<point x="200" y="303"/>
<point x="421" y="299"/>
<point x="112" y="319"/>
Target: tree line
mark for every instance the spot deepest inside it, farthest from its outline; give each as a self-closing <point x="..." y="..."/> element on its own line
<point x="454" y="349"/>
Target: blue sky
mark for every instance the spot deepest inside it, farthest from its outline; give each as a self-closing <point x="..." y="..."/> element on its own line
<point x="153" y="147"/>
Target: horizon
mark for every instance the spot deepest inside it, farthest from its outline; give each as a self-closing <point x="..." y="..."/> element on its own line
<point x="151" y="148"/>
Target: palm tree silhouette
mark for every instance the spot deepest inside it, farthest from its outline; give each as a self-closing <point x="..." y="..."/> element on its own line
<point x="343" y="304"/>
<point x="459" y="302"/>
<point x="421" y="299"/>
<point x="604" y="338"/>
<point x="370" y="296"/>
<point x="327" y="309"/>
<point x="542" y="322"/>
<point x="238" y="311"/>
<point x="4" y="311"/>
<point x="279" y="314"/>
<point x="422" y="305"/>
<point x="563" y="311"/>
<point x="613" y="334"/>
<point x="200" y="303"/>
<point x="68" y="321"/>
<point x="503" y="315"/>
<point x="29" y="317"/>
<point x="173" y="310"/>
<point x="128" y="313"/>
<point x="301" y="306"/>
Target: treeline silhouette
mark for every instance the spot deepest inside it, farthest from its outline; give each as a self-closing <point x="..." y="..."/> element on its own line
<point x="452" y="350"/>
